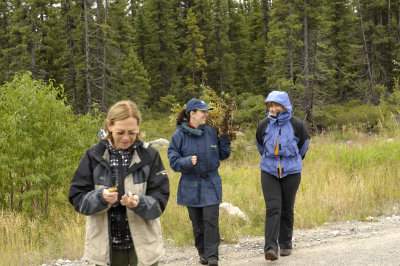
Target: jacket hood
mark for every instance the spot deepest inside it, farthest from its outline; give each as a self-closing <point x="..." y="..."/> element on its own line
<point x="280" y="97"/>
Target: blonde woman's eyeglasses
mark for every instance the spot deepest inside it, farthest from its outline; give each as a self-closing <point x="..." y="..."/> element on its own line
<point x="129" y="133"/>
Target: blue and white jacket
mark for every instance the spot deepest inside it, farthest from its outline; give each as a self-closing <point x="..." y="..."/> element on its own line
<point x="200" y="185"/>
<point x="282" y="139"/>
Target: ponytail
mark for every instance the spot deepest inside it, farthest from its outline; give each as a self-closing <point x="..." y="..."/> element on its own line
<point x="183" y="116"/>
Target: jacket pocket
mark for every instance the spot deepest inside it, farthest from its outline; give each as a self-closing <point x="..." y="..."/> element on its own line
<point x="269" y="145"/>
<point x="217" y="183"/>
<point x="289" y="147"/>
<point x="212" y="159"/>
<point x="190" y="191"/>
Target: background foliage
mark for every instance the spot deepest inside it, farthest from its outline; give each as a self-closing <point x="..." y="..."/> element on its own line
<point x="157" y="52"/>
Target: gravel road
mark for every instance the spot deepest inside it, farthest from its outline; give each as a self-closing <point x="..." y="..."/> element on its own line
<point x="375" y="241"/>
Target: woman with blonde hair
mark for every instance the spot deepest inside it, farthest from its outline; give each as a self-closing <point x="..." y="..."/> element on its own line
<point x="282" y="141"/>
<point x="122" y="187"/>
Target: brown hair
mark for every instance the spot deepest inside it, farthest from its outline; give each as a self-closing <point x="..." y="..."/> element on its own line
<point x="120" y="111"/>
<point x="183" y="116"/>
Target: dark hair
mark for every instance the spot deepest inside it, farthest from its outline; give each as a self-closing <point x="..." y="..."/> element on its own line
<point x="183" y="116"/>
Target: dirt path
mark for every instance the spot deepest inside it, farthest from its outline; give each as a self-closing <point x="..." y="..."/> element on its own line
<point x="372" y="242"/>
<point x="376" y="242"/>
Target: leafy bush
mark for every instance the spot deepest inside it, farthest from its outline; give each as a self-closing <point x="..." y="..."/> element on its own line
<point x="221" y="117"/>
<point x="41" y="141"/>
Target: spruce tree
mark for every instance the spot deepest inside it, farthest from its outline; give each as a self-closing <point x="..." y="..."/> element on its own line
<point x="284" y="48"/>
<point x="160" y="50"/>
<point x="194" y="55"/>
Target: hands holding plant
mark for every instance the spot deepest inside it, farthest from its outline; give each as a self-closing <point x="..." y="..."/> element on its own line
<point x="129" y="200"/>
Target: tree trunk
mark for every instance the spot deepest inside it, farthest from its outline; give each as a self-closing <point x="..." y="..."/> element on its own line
<point x="219" y="44"/>
<point x="162" y="67"/>
<point x="193" y="60"/>
<point x="33" y="50"/>
<point x="398" y="24"/>
<point x="7" y="58"/>
<point x="265" y="8"/>
<point x="72" y="73"/>
<point x="87" y="61"/>
<point x="103" y="75"/>
<point x="98" y="71"/>
<point x="389" y="18"/>
<point x="370" y="73"/>
<point x="291" y="59"/>
<point x="308" y="90"/>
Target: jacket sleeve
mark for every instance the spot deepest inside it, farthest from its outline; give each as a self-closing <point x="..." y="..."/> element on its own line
<point x="176" y="161"/>
<point x="300" y="131"/>
<point x="82" y="195"/>
<point x="260" y="133"/>
<point x="153" y="204"/>
<point x="224" y="145"/>
<point x="304" y="141"/>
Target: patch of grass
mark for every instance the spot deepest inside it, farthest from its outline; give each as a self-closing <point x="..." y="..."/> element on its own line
<point x="159" y="128"/>
<point x="27" y="241"/>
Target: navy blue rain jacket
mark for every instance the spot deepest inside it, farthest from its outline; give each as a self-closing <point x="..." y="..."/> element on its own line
<point x="200" y="185"/>
<point x="292" y="136"/>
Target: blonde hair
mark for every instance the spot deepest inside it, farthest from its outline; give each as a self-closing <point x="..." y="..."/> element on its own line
<point x="268" y="105"/>
<point x="120" y="111"/>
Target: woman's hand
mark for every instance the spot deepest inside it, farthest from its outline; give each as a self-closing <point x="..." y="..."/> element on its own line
<point x="130" y="201"/>
<point x="194" y="160"/>
<point x="110" y="197"/>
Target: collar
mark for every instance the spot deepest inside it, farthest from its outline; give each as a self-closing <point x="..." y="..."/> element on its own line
<point x="113" y="150"/>
<point x="196" y="132"/>
<point x="280" y="118"/>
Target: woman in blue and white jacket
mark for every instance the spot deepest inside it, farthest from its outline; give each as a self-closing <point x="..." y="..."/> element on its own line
<point x="195" y="150"/>
<point x="282" y="140"/>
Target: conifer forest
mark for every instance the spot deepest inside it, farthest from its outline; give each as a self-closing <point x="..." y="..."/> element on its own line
<point x="158" y="52"/>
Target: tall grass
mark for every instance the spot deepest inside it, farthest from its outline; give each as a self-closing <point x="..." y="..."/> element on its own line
<point x="346" y="175"/>
<point x="27" y="241"/>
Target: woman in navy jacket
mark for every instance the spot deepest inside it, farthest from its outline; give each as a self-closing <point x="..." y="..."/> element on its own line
<point x="195" y="150"/>
<point x="282" y="140"/>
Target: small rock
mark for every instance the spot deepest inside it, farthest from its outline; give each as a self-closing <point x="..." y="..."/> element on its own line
<point x="159" y="142"/>
<point x="335" y="233"/>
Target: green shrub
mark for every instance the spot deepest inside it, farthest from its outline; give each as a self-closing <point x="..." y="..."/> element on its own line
<point x="41" y="142"/>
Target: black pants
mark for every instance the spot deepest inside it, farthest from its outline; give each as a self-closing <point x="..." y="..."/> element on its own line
<point x="279" y="196"/>
<point x="205" y="229"/>
<point x="126" y="257"/>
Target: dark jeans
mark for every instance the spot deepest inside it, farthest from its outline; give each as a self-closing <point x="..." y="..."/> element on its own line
<point x="205" y="229"/>
<point x="279" y="196"/>
<point x="126" y="257"/>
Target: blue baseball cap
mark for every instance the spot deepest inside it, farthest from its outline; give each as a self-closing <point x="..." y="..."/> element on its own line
<point x="197" y="104"/>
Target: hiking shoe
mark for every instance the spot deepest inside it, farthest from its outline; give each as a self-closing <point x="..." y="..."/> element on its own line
<point x="203" y="260"/>
<point x="285" y="252"/>
<point x="212" y="262"/>
<point x="270" y="255"/>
